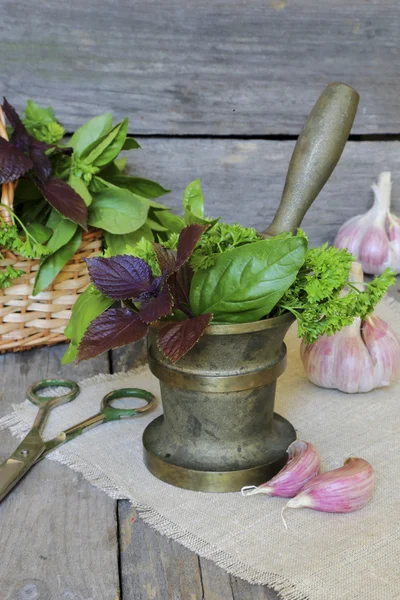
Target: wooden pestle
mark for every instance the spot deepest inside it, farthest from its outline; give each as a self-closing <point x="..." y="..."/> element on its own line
<point x="316" y="154"/>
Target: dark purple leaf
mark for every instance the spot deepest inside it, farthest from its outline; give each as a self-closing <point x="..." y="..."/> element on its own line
<point x="64" y="199"/>
<point x="120" y="277"/>
<point x="188" y="239"/>
<point x="158" y="307"/>
<point x="166" y="258"/>
<point x="175" y="339"/>
<point x="179" y="284"/>
<point x="115" y="327"/>
<point x="13" y="162"/>
<point x="20" y="136"/>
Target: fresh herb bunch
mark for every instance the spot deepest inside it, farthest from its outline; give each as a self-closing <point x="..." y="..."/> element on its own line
<point x="210" y="272"/>
<point x="64" y="189"/>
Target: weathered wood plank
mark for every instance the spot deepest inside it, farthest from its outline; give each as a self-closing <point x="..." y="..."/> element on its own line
<point x="154" y="567"/>
<point x="243" y="180"/>
<point x="58" y="532"/>
<point x="202" y="67"/>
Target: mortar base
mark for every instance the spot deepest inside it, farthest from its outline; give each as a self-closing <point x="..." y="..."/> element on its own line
<point x="217" y="481"/>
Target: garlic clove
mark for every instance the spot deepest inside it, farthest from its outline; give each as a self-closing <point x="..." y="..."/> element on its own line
<point x="393" y="232"/>
<point x="366" y="236"/>
<point x="384" y="348"/>
<point x="303" y="464"/>
<point x="342" y="490"/>
<point x="340" y="361"/>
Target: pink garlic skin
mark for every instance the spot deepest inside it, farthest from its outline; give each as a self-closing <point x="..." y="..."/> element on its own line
<point x="303" y="464"/>
<point x="384" y="347"/>
<point x="393" y="231"/>
<point x="340" y="361"/>
<point x="342" y="490"/>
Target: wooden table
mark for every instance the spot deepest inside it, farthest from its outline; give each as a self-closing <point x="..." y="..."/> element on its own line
<point x="217" y="90"/>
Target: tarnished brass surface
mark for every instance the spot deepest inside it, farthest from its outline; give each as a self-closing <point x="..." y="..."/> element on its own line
<point x="316" y="154"/>
<point x="214" y="481"/>
<point x="213" y="439"/>
<point x="215" y="383"/>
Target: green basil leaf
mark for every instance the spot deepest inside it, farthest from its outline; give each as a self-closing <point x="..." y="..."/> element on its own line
<point x="155" y="226"/>
<point x="90" y="304"/>
<point x="130" y="144"/>
<point x="104" y="151"/>
<point x="173" y="223"/>
<point x="120" y="164"/>
<point x="117" y="211"/>
<point x="54" y="219"/>
<point x="142" y="187"/>
<point x="39" y="232"/>
<point x="90" y="132"/>
<point x="80" y="188"/>
<point x="249" y="280"/>
<point x="193" y="200"/>
<point x="113" y="169"/>
<point x="62" y="234"/>
<point x="38" y="115"/>
<point x="118" y="244"/>
<point x="50" y="267"/>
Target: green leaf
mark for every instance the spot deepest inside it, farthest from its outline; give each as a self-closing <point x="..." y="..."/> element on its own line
<point x="130" y="144"/>
<point x="39" y="115"/>
<point x="90" y="304"/>
<point x="142" y="187"/>
<point x="155" y="226"/>
<point x="113" y="169"/>
<point x="249" y="278"/>
<point x="117" y="211"/>
<point x="54" y="219"/>
<point x="62" y="234"/>
<point x="174" y="223"/>
<point x="193" y="200"/>
<point x="120" y="164"/>
<point x="90" y="132"/>
<point x="50" y="267"/>
<point x="104" y="150"/>
<point x="80" y="188"/>
<point x="120" y="244"/>
<point x="39" y="232"/>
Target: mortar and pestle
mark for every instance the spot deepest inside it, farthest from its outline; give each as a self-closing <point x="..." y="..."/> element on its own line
<point x="219" y="431"/>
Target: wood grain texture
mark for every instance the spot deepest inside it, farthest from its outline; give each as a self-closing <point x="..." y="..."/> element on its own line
<point x="201" y="67"/>
<point x="242" y="181"/>
<point x="154" y="567"/>
<point x="58" y="533"/>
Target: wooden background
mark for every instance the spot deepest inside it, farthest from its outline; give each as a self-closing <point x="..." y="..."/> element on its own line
<point x="217" y="90"/>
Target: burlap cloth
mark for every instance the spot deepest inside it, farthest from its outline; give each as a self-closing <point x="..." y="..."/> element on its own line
<point x="321" y="556"/>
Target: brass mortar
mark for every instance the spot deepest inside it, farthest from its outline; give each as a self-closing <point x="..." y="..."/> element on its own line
<point x="219" y="431"/>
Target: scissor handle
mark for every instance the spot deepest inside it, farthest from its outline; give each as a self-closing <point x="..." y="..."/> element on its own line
<point x="112" y="413"/>
<point x="48" y="383"/>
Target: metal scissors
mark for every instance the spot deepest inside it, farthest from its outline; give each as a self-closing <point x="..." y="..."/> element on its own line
<point x="33" y="448"/>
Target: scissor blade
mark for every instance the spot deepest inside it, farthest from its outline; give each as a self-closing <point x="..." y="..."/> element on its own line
<point x="20" y="461"/>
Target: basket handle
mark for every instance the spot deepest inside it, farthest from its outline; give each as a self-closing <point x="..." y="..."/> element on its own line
<point x="316" y="154"/>
<point x="7" y="189"/>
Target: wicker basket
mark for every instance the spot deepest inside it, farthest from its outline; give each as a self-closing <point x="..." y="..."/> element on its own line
<point x="27" y="321"/>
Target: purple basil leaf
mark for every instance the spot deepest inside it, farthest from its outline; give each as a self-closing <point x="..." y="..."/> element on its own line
<point x="13" y="162"/>
<point x="179" y="284"/>
<point x="188" y="239"/>
<point x="41" y="162"/>
<point x="166" y="258"/>
<point x="120" y="277"/>
<point x="20" y="136"/>
<point x="64" y="199"/>
<point x="158" y="307"/>
<point x="175" y="339"/>
<point x="115" y="327"/>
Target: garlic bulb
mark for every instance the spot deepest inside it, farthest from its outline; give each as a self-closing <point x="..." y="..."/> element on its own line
<point x="303" y="464"/>
<point x="342" y="490"/>
<point x="359" y="358"/>
<point x="374" y="238"/>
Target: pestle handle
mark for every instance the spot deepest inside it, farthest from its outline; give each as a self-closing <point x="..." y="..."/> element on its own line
<point x="317" y="151"/>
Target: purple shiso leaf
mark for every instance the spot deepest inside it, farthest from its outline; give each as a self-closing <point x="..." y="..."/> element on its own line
<point x="41" y="162"/>
<point x="20" y="136"/>
<point x="188" y="239"/>
<point x="13" y="162"/>
<point x="120" y="277"/>
<point x="158" y="307"/>
<point x="115" y="327"/>
<point x="166" y="258"/>
<point x="175" y="339"/>
<point x="64" y="199"/>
